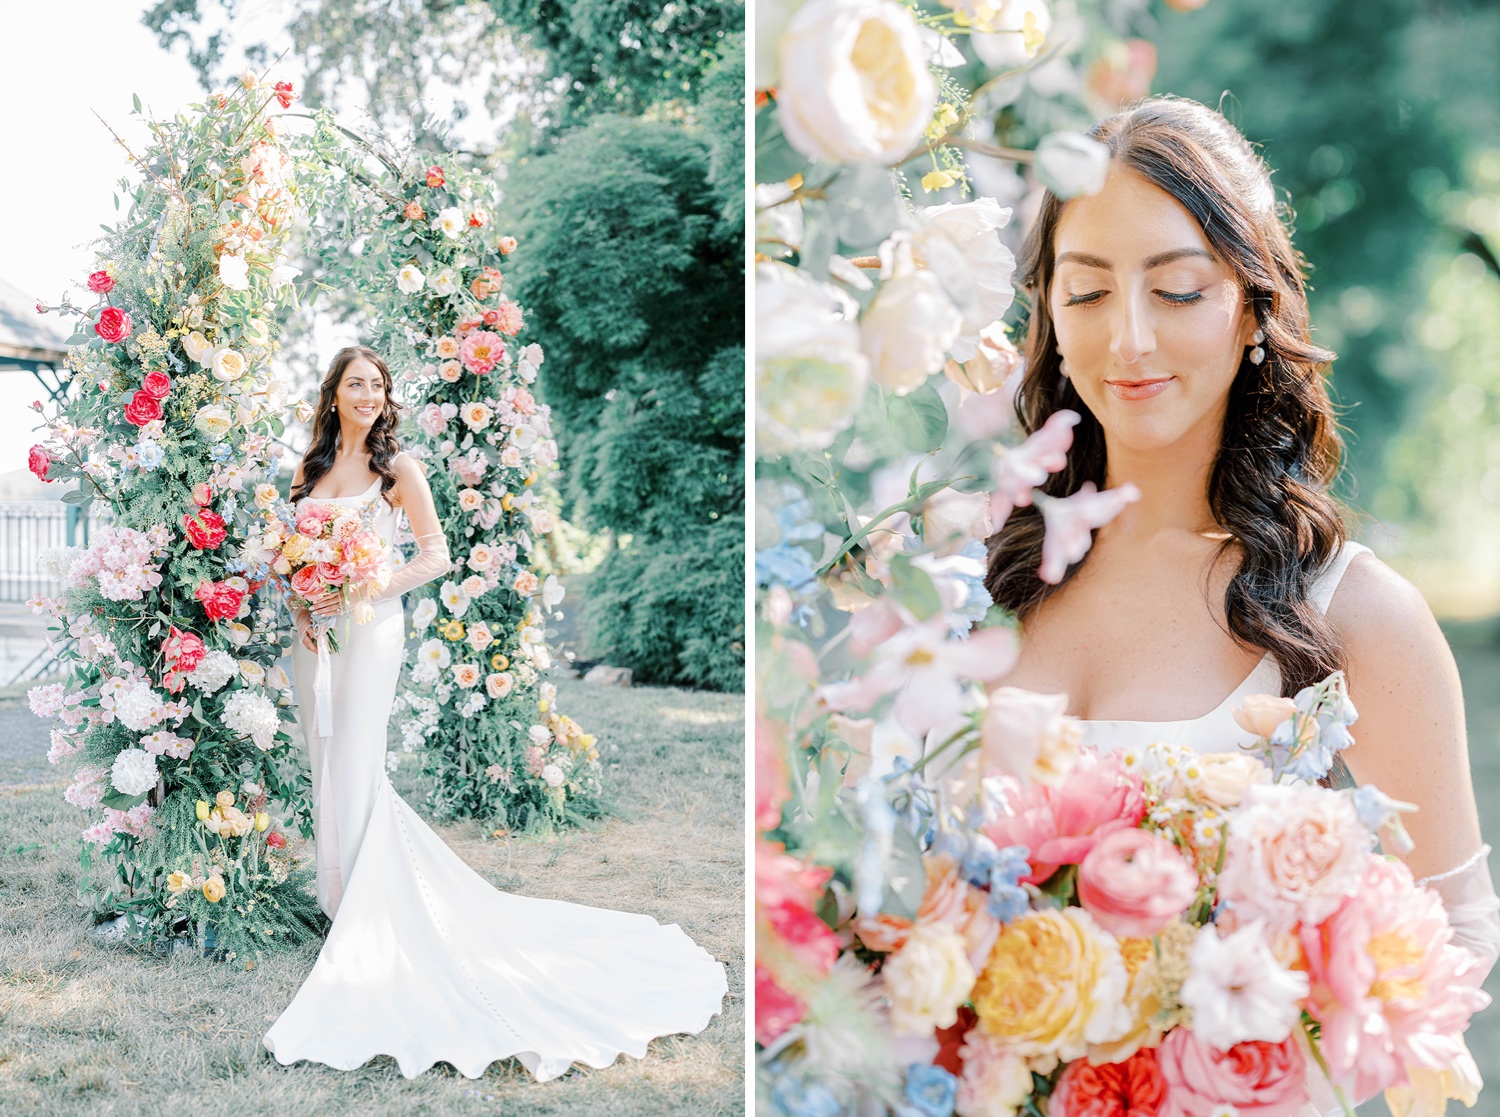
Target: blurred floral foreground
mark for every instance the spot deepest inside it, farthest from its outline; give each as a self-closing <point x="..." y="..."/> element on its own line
<point x="958" y="910"/>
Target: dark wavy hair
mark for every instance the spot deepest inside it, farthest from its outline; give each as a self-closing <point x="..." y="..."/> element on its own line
<point x="381" y="441"/>
<point x="1281" y="447"/>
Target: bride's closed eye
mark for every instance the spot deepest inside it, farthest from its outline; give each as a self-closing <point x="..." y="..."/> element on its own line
<point x="1172" y="298"/>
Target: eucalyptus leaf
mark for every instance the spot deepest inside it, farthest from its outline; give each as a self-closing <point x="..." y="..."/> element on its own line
<point x="919" y="419"/>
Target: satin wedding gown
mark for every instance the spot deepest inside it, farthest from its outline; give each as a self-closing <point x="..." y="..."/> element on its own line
<point x="426" y="961"/>
<point x="1467" y="891"/>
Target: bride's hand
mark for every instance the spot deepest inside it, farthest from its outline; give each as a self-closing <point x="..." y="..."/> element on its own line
<point x="326" y="604"/>
<point x="309" y="641"/>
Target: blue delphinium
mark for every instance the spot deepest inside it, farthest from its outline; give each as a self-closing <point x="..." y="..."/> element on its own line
<point x="220" y="452"/>
<point x="785" y="563"/>
<point x="930" y="1091"/>
<point x="1008" y="900"/>
<point x="149" y="454"/>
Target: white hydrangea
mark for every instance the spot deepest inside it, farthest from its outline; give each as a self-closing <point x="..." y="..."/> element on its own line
<point x="139" y="707"/>
<point x="214" y="670"/>
<point x="133" y="772"/>
<point x="253" y="715"/>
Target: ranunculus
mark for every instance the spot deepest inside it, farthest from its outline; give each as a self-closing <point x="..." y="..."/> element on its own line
<point x="228" y="365"/>
<point x="1053" y="984"/>
<point x="1061" y="825"/>
<point x="854" y="83"/>
<point x="221" y="601"/>
<point x="113" y="324"/>
<point x="213" y="889"/>
<point x="1070" y="164"/>
<point x="927" y="979"/>
<point x="1259" y="1079"/>
<point x="906" y="331"/>
<point x="1134" y="1087"/>
<point x="435" y="177"/>
<point x="101" y="282"/>
<point x="38" y="462"/>
<point x="156" y="383"/>
<point x="276" y="840"/>
<point x="1294" y="853"/>
<point x="234" y="272"/>
<point x="143" y="408"/>
<point x="1262" y="713"/>
<point x="212" y="420"/>
<point x="205" y="531"/>
<point x="1134" y="883"/>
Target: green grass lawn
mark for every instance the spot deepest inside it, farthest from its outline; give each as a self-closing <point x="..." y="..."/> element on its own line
<point x="91" y="1028"/>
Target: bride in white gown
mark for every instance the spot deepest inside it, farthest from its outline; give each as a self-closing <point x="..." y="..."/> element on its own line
<point x="426" y="961"/>
<point x="1169" y="311"/>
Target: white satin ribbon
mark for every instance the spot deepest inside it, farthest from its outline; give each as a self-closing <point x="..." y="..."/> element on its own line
<point x="323" y="689"/>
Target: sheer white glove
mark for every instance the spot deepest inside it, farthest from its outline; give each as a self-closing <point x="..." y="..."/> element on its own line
<point x="433" y="562"/>
<point x="1468" y="893"/>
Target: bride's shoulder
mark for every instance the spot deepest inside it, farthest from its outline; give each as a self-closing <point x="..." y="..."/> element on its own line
<point x="1385" y="624"/>
<point x="408" y="465"/>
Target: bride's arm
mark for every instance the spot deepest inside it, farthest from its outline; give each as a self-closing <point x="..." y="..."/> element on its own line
<point x="415" y="496"/>
<point x="301" y="615"/>
<point x="1410" y="739"/>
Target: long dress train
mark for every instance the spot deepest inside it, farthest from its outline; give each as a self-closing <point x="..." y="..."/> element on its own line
<point x="425" y="960"/>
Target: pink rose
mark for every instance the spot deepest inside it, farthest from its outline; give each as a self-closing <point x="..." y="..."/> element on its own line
<point x="507" y="245"/>
<point x="221" y="601"/>
<point x="1134" y="1088"/>
<point x="312" y="519"/>
<point x="113" y="324"/>
<point x="1134" y="883"/>
<point x="101" y="283"/>
<point x="331" y="573"/>
<point x="156" y="383"/>
<point x="38" y="462"/>
<point x="306" y="582"/>
<point x="1061" y="825"/>
<point x="143" y="408"/>
<point x="1258" y="1078"/>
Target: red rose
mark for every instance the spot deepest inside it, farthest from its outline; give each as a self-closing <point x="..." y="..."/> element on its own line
<point x="413" y="211"/>
<point x="113" y="324"/>
<point x="156" y="384"/>
<point x="37" y="461"/>
<point x="221" y="601"/>
<point x="284" y="94"/>
<point x="143" y="408"/>
<point x="276" y="839"/>
<point x="435" y="176"/>
<point x="205" y="531"/>
<point x="101" y="283"/>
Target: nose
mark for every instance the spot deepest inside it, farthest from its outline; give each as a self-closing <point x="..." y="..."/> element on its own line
<point x="1133" y="337"/>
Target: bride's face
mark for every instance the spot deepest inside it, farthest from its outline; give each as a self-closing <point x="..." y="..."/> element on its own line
<point x="361" y="394"/>
<point x="1150" y="322"/>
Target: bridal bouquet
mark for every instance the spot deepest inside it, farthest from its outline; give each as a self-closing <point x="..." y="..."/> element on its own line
<point x="320" y="548"/>
<point x="1148" y="932"/>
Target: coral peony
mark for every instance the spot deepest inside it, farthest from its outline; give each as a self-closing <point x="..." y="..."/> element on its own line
<point x="221" y="601"/>
<point x="1060" y="825"/>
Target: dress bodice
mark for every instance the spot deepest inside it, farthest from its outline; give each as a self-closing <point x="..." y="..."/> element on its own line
<point x="386" y="521"/>
<point x="1217" y="731"/>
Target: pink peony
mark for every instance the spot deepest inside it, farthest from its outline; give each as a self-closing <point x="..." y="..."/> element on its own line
<point x="1388" y="986"/>
<point x="182" y="650"/>
<point x="1134" y="883"/>
<point x="38" y="462"/>
<point x="1134" y="1088"/>
<point x="331" y="573"/>
<point x="776" y="1010"/>
<point x="481" y="351"/>
<point x="313" y="518"/>
<point x="1259" y="1079"/>
<point x="1061" y="825"/>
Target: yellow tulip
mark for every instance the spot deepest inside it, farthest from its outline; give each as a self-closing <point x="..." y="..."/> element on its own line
<point x="202" y="807"/>
<point x="262" y="820"/>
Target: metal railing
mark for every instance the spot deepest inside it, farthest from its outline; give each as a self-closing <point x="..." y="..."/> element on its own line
<point x="27" y="529"/>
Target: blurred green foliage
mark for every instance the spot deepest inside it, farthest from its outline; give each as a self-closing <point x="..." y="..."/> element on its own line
<point x="1381" y="121"/>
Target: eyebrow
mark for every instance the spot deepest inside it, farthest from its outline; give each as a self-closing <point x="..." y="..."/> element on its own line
<point x="1091" y="261"/>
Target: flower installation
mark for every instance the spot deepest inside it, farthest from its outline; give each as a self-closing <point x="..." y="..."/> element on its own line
<point x="958" y="909"/>
<point x="168" y="634"/>
<point x="431" y="257"/>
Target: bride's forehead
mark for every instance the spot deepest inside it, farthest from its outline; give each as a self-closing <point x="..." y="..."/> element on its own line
<point x="1129" y="221"/>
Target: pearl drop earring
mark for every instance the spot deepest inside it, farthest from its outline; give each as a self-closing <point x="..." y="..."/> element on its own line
<point x="1062" y="368"/>
<point x="1258" y="354"/>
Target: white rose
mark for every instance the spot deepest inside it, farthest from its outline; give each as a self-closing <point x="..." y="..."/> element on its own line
<point x="282" y="275"/>
<point x="410" y="280"/>
<point x="227" y="364"/>
<point x="854" y="81"/>
<point x="810" y="373"/>
<point x="252" y="672"/>
<point x="973" y="263"/>
<point x="994" y="362"/>
<point x="552" y="775"/>
<point x="1070" y="164"/>
<point x="213" y="421"/>
<point x="907" y="330"/>
<point x="198" y="347"/>
<point x="234" y="272"/>
<point x="256" y="332"/>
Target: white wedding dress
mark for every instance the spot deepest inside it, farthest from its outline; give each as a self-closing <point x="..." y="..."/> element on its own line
<point x="1467" y="891"/>
<point x="426" y="961"/>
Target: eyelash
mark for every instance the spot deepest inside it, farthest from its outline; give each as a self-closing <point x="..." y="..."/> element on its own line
<point x="1168" y="297"/>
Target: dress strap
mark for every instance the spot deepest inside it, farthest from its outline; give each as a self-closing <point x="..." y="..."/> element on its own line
<point x="1331" y="575"/>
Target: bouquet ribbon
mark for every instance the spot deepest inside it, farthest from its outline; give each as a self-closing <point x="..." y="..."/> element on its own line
<point x="323" y="688"/>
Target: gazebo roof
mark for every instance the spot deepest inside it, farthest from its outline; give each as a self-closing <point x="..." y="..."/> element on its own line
<point x="26" y="335"/>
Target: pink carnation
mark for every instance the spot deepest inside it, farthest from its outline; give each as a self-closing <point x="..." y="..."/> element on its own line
<point x="1061" y="825"/>
<point x="1388" y="986"/>
<point x="1259" y="1079"/>
<point x="1134" y="883"/>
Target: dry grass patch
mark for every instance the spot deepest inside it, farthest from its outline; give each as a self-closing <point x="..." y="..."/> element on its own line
<point x="91" y="1028"/>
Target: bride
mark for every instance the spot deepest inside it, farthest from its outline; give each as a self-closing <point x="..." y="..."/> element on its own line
<point x="1168" y="310"/>
<point x="425" y="961"/>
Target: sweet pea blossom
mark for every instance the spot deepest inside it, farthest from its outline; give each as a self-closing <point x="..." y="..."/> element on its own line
<point x="1021" y="469"/>
<point x="1070" y="522"/>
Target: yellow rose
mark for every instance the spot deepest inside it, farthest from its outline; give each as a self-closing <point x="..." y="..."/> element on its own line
<point x="1053" y="984"/>
<point x="927" y="979"/>
<point x="176" y="882"/>
<point x="213" y="889"/>
<point x="266" y="495"/>
<point x="202" y="808"/>
<point x="228" y="365"/>
<point x="224" y="799"/>
<point x="262" y="820"/>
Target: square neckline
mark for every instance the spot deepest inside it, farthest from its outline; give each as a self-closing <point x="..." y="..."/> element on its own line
<point x="350" y="496"/>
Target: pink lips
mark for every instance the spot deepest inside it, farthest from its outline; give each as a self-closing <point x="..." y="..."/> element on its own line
<point x="1138" y="389"/>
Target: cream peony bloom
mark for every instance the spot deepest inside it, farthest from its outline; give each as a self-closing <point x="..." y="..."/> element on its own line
<point x="199" y="348"/>
<point x="927" y="979"/>
<point x="234" y="272"/>
<point x="227" y="365"/>
<point x="907" y="330"/>
<point x="213" y="421"/>
<point x="855" y="87"/>
<point x="410" y="280"/>
<point x="1238" y="991"/>
<point x="961" y="243"/>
